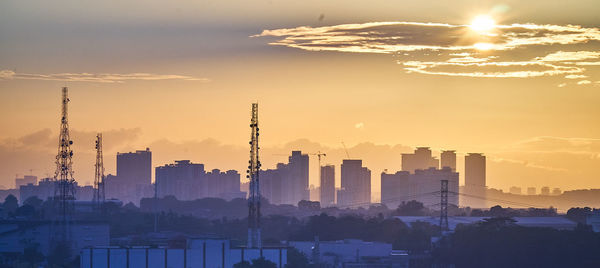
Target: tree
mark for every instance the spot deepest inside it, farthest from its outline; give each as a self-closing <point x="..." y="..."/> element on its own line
<point x="242" y="264"/>
<point x="411" y="208"/>
<point x="10" y="204"/>
<point x="256" y="263"/>
<point x="296" y="259"/>
<point x="263" y="263"/>
<point x="34" y="202"/>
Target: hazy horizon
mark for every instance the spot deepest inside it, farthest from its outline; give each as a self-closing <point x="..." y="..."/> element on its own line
<point x="179" y="78"/>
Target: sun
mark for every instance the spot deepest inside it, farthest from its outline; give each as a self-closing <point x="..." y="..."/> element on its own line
<point x="483" y="23"/>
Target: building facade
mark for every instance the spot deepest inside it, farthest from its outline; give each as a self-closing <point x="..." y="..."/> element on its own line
<point x="327" y="188"/>
<point x="475" y="180"/>
<point x="420" y="159"/>
<point x="356" y="184"/>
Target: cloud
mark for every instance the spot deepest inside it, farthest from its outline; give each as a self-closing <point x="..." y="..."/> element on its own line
<point x="571" y="56"/>
<point x="359" y="125"/>
<point x="562" y="85"/>
<point x="458" y="51"/>
<point x="575" y="76"/>
<point x="96" y="78"/>
<point x="584" y="82"/>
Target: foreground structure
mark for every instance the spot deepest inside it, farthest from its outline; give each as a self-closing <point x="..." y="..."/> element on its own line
<point x="199" y="253"/>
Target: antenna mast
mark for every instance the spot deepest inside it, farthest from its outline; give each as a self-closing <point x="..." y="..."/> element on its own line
<point x="254" y="238"/>
<point x="64" y="190"/>
<point x="99" y="195"/>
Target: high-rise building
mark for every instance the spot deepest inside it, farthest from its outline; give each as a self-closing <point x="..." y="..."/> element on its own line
<point x="188" y="181"/>
<point x="294" y="179"/>
<point x="531" y="191"/>
<point x="135" y="168"/>
<point x="515" y="190"/>
<point x="327" y="188"/>
<point x="133" y="180"/>
<point x="448" y="159"/>
<point x="270" y="185"/>
<point x="420" y="159"/>
<point x="395" y="188"/>
<point x="424" y="185"/>
<point x="224" y="185"/>
<point x="27" y="179"/>
<point x="356" y="184"/>
<point x="181" y="180"/>
<point x="298" y="177"/>
<point x="475" y="181"/>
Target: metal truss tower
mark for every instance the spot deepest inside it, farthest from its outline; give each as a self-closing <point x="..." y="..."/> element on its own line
<point x="254" y="238"/>
<point x="99" y="195"/>
<point x="64" y="190"/>
<point x="444" y="206"/>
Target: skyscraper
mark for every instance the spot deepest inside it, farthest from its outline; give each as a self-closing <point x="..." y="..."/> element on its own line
<point x="356" y="184"/>
<point x="298" y="177"/>
<point x="475" y="181"/>
<point x="183" y="180"/>
<point x="133" y="180"/>
<point x="395" y="188"/>
<point x="420" y="159"/>
<point x="135" y="167"/>
<point x="448" y="159"/>
<point x="327" y="189"/>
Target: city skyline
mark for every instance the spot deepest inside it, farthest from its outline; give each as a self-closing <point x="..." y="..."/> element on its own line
<point x="179" y="81"/>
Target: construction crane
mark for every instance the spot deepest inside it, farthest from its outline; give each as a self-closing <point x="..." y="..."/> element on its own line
<point x="319" y="154"/>
<point x="346" y="149"/>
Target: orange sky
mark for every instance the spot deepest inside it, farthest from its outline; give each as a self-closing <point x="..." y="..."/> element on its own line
<point x="180" y="77"/>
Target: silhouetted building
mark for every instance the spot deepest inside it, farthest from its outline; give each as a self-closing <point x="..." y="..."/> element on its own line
<point x="297" y="178"/>
<point x="270" y="185"/>
<point x="224" y="185"/>
<point x="327" y="188"/>
<point x="181" y="180"/>
<point x="356" y="185"/>
<point x="27" y="179"/>
<point x="545" y="190"/>
<point x="43" y="190"/>
<point x="291" y="181"/>
<point x="425" y="184"/>
<point x="531" y="191"/>
<point x="133" y="180"/>
<point x="395" y="188"/>
<point x="420" y="159"/>
<point x="196" y="253"/>
<point x="515" y="190"/>
<point x="556" y="191"/>
<point x="188" y="181"/>
<point x="475" y="181"/>
<point x="448" y="159"/>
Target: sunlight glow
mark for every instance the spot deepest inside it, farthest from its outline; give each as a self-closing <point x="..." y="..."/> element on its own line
<point x="484" y="46"/>
<point x="483" y="23"/>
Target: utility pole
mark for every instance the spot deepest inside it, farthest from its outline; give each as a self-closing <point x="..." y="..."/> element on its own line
<point x="99" y="194"/>
<point x="444" y="206"/>
<point x="64" y="190"/>
<point x="254" y="238"/>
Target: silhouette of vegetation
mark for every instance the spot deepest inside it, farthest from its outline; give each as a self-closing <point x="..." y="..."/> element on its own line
<point x="256" y="263"/>
<point x="498" y="242"/>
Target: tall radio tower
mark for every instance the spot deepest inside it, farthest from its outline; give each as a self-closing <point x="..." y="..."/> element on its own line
<point x="64" y="190"/>
<point x="99" y="195"/>
<point x="254" y="239"/>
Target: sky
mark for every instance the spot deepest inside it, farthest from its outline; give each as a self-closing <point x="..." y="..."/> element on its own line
<point x="516" y="80"/>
